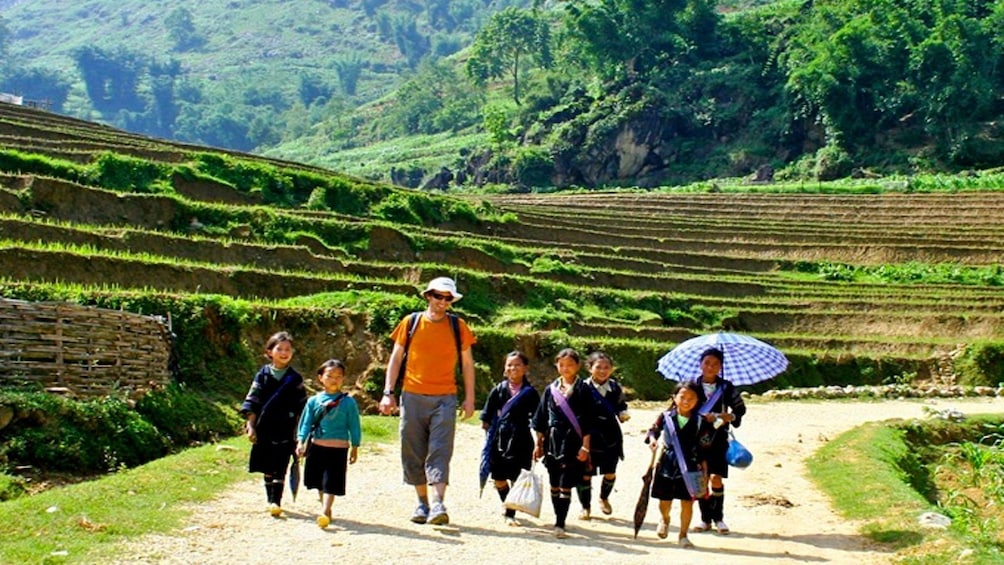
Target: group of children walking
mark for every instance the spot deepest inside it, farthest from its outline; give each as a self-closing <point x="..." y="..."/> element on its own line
<point x="282" y="422"/>
<point x="574" y="427"/>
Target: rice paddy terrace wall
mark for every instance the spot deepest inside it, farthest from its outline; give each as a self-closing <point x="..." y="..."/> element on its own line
<point x="81" y="350"/>
<point x="632" y="273"/>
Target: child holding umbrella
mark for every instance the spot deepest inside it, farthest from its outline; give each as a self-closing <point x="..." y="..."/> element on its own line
<point x="721" y="406"/>
<point x="506" y="421"/>
<point x="562" y="423"/>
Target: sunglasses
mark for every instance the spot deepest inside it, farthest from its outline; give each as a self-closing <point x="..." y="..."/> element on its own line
<point x="437" y="296"/>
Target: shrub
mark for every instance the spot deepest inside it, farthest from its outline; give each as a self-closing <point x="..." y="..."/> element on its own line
<point x="832" y="162"/>
<point x="124" y="173"/>
<point x="186" y="417"/>
<point x="532" y="166"/>
<point x="93" y="436"/>
<point x="981" y="364"/>
<point x="10" y="487"/>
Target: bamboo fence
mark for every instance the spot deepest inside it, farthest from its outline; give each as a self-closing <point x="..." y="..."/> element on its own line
<point x="82" y="351"/>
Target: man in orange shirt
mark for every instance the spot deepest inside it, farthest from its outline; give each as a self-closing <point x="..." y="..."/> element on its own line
<point x="429" y="395"/>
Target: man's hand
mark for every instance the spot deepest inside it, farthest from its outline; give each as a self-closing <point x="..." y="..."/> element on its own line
<point x="468" y="408"/>
<point x="388" y="405"/>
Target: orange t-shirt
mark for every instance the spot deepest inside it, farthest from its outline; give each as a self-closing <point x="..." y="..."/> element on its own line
<point x="432" y="356"/>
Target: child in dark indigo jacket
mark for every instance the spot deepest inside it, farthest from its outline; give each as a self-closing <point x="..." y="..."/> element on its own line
<point x="720" y="406"/>
<point x="607" y="446"/>
<point x="563" y="438"/>
<point x="669" y="483"/>
<point x="271" y="408"/>
<point x="506" y="421"/>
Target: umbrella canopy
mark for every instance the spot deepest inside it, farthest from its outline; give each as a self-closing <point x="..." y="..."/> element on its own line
<point x="747" y="359"/>
<point x="294" y="476"/>
<point x="641" y="508"/>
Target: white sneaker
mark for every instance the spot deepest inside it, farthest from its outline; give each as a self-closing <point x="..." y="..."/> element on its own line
<point x="701" y="527"/>
<point x="722" y="527"/>
<point x="663" y="529"/>
<point x="438" y="515"/>
<point x="560" y="533"/>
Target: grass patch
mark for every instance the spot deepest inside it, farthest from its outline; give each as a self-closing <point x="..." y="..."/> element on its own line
<point x="878" y="474"/>
<point x="78" y="522"/>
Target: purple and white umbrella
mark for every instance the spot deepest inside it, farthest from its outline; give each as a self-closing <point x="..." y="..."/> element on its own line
<point x="747" y="360"/>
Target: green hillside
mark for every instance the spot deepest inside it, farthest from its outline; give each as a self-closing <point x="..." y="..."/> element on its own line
<point x="859" y="282"/>
<point x="184" y="70"/>
<point x="888" y="282"/>
<point x="531" y="94"/>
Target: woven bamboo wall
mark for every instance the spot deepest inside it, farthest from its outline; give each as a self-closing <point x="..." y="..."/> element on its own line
<point x="82" y="350"/>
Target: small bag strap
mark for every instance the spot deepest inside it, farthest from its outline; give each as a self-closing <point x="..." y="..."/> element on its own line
<point x="670" y="426"/>
<point x="712" y="400"/>
<point x="327" y="408"/>
<point x="562" y="403"/>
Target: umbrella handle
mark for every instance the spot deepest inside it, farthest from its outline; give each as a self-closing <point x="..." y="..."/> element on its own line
<point x="655" y="452"/>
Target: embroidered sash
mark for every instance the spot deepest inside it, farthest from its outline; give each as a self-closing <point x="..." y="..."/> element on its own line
<point x="562" y="403"/>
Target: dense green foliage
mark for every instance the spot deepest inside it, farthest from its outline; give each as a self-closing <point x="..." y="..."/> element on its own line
<point x="914" y="272"/>
<point x="822" y="90"/>
<point x="239" y="75"/>
<point x="94" y="436"/>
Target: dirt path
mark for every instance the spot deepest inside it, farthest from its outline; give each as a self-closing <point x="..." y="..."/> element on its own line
<point x="776" y="514"/>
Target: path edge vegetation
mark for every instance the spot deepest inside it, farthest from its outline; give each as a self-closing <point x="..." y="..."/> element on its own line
<point x="84" y="522"/>
<point x="884" y="475"/>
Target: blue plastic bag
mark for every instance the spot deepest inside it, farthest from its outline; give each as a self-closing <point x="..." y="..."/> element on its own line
<point x="737" y="455"/>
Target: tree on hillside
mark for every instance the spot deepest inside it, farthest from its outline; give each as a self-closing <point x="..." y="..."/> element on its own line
<point x="862" y="67"/>
<point x="510" y="38"/>
<point x="348" y="68"/>
<point x="111" y="77"/>
<point x="632" y="38"/>
<point x="181" y="29"/>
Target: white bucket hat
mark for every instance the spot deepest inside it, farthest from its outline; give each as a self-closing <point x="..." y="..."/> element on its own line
<point x="444" y="285"/>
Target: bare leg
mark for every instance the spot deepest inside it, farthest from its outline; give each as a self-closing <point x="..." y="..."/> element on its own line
<point x="686" y="513"/>
<point x="664" y="507"/>
<point x="440" y="491"/>
<point x="329" y="500"/>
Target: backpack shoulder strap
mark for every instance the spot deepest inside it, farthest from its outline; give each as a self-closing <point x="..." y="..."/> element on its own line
<point x="412" y="326"/>
<point x="455" y="325"/>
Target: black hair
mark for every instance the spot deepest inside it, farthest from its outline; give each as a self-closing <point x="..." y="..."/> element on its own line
<point x="596" y="356"/>
<point x="276" y="339"/>
<point x="690" y="385"/>
<point x="522" y="357"/>
<point x="713" y="352"/>
<point x="517" y="353"/>
<point x="330" y="364"/>
<point x="570" y="353"/>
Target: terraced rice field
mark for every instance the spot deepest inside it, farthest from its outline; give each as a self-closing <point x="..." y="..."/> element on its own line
<point x="637" y="272"/>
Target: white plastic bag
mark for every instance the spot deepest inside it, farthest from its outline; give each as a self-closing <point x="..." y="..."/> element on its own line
<point x="526" y="494"/>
